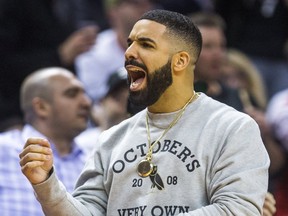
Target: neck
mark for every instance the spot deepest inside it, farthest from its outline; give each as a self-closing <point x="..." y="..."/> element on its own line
<point x="61" y="141"/>
<point x="170" y="103"/>
<point x="63" y="146"/>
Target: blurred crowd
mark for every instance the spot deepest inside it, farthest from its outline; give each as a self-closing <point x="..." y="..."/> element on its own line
<point x="243" y="63"/>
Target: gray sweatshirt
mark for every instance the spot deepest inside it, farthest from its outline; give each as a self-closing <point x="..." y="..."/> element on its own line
<point x="212" y="162"/>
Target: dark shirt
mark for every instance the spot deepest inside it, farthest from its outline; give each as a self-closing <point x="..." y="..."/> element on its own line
<point x="227" y="95"/>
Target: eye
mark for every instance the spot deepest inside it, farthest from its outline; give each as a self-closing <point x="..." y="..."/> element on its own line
<point x="146" y="45"/>
<point x="129" y="42"/>
<point x="72" y="93"/>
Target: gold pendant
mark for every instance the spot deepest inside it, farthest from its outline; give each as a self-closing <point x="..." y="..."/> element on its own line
<point x="145" y="168"/>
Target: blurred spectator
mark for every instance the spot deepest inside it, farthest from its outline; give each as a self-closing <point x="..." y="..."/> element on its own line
<point x="241" y="74"/>
<point x="277" y="116"/>
<point x="36" y="34"/>
<point x="259" y="28"/>
<point x="208" y="68"/>
<point x="94" y="67"/>
<point x="111" y="109"/>
<point x="186" y="6"/>
<point x="55" y="107"/>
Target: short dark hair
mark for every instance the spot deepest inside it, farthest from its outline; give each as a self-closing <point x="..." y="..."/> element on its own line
<point x="178" y="25"/>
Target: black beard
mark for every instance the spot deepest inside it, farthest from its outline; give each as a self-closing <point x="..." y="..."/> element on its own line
<point x="157" y="82"/>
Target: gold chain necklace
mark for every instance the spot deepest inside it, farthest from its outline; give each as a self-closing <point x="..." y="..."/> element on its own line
<point x="145" y="166"/>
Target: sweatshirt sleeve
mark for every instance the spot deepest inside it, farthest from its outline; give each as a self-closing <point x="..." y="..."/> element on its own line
<point x="88" y="198"/>
<point x="238" y="178"/>
<point x="55" y="200"/>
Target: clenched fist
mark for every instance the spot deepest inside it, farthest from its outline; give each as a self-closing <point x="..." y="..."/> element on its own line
<point x="36" y="160"/>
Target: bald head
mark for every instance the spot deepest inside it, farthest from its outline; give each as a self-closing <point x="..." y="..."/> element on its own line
<point x="38" y="84"/>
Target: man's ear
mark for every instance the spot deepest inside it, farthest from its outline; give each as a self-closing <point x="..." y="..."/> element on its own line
<point x="180" y="61"/>
<point x="40" y="106"/>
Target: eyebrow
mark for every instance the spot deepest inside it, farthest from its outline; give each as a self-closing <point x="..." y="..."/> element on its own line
<point x="145" y="39"/>
<point x="74" y="89"/>
<point x="142" y="39"/>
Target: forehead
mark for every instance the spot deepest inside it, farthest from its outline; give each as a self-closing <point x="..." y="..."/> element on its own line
<point x="147" y="28"/>
<point x="211" y="34"/>
<point x="65" y="82"/>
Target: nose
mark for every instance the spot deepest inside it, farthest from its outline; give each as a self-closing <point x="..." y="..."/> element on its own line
<point x="131" y="51"/>
<point x="86" y="101"/>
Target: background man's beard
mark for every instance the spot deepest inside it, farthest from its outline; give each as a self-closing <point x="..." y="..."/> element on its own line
<point x="157" y="83"/>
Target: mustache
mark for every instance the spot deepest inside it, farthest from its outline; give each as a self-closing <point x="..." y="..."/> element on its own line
<point x="135" y="63"/>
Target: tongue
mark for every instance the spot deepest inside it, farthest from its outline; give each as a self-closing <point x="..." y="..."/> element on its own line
<point x="136" y="84"/>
